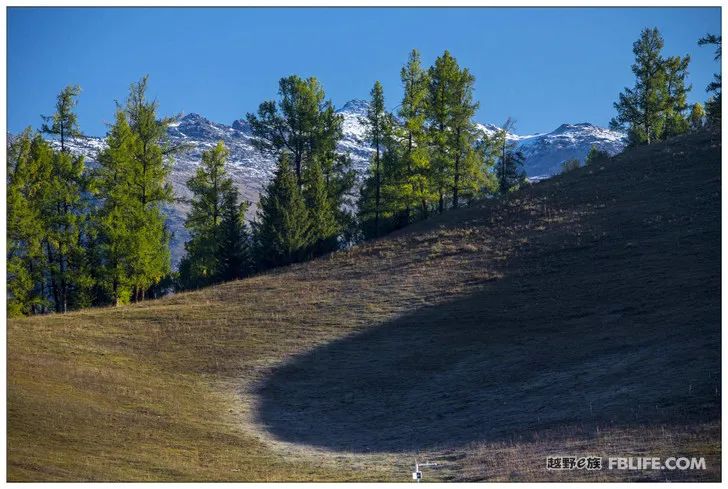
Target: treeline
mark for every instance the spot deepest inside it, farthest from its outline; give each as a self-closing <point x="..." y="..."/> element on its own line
<point x="656" y="107"/>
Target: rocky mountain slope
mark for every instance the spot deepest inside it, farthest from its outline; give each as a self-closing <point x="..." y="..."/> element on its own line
<point x="251" y="170"/>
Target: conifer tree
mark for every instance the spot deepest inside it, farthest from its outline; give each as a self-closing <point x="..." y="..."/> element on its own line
<point x="467" y="168"/>
<point x="212" y="190"/>
<point x="697" y="117"/>
<point x="116" y="220"/>
<point x="26" y="264"/>
<point x="512" y="174"/>
<point x="509" y="168"/>
<point x="640" y="109"/>
<point x="131" y="181"/>
<point x="64" y="123"/>
<point x="713" y="106"/>
<point x="302" y="123"/>
<point x="62" y="215"/>
<point x="655" y="108"/>
<point x="375" y="122"/>
<point x="63" y="209"/>
<point x="324" y="224"/>
<point x="282" y="232"/>
<point x="596" y="156"/>
<point x="443" y="77"/>
<point x="676" y="71"/>
<point x="234" y="247"/>
<point x="416" y="188"/>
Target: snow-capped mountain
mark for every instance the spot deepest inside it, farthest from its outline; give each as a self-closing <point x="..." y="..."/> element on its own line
<point x="251" y="170"/>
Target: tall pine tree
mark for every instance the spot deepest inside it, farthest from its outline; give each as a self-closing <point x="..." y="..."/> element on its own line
<point x="443" y="79"/>
<point x="655" y="108"/>
<point x="415" y="187"/>
<point x="376" y="118"/>
<point x="63" y="124"/>
<point x="282" y="231"/>
<point x="217" y="246"/>
<point x="132" y="183"/>
<point x="63" y="209"/>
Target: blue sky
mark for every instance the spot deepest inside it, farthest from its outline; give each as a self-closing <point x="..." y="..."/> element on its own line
<point x="542" y="66"/>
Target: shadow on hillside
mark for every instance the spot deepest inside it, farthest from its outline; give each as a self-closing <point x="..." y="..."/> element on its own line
<point x="470" y="371"/>
<point x="617" y="327"/>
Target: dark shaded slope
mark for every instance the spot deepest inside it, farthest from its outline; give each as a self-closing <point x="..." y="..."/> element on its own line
<point x="606" y="316"/>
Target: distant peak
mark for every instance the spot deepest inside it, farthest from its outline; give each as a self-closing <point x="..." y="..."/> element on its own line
<point x="571" y="127"/>
<point x="193" y="117"/>
<point x="355" y="105"/>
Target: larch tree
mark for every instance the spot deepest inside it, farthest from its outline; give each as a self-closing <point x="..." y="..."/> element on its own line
<point x="655" y="108"/>
<point x="63" y="209"/>
<point x="132" y="183"/>
<point x="416" y="189"/>
<point x="63" y="124"/>
<point x="443" y="78"/>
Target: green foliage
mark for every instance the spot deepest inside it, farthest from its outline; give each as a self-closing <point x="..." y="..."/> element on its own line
<point x="305" y="126"/>
<point x="64" y="123"/>
<point x="218" y="248"/>
<point x="325" y="227"/>
<point x="234" y="248"/>
<point x="131" y="184"/>
<point x="509" y="168"/>
<point x="676" y="70"/>
<point x="713" y="105"/>
<point x="697" y="117"/>
<point x="655" y="108"/>
<point x="415" y="189"/>
<point x="370" y="202"/>
<point x="28" y="160"/>
<point x="467" y="168"/>
<point x="301" y="123"/>
<point x="443" y="77"/>
<point x="570" y="165"/>
<point x="47" y="265"/>
<point x="282" y="233"/>
<point x="456" y="166"/>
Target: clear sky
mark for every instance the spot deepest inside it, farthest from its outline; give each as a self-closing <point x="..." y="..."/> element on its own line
<point x="542" y="66"/>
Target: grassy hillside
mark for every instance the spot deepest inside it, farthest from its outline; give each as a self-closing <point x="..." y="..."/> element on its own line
<point x="582" y="317"/>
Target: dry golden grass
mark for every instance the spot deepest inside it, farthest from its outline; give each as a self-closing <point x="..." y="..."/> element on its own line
<point x="600" y="271"/>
